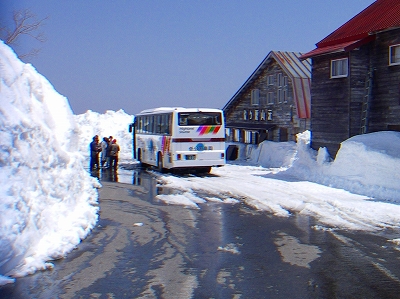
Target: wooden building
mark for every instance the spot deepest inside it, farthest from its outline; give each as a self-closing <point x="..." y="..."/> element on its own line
<point x="273" y="103"/>
<point x="356" y="77"/>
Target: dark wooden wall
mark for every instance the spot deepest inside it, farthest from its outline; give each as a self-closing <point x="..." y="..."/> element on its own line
<point x="385" y="110"/>
<point x="329" y="105"/>
<point x="284" y="115"/>
<point x="336" y="104"/>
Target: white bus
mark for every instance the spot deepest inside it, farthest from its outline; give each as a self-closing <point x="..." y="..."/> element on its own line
<point x="179" y="138"/>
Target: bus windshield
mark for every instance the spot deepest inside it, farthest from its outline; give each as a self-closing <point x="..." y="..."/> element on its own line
<point x="199" y="118"/>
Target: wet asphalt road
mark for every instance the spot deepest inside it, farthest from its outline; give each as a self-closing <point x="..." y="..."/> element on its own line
<point x="142" y="248"/>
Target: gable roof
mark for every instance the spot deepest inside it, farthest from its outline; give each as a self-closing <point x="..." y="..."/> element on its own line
<point x="361" y="29"/>
<point x="298" y="70"/>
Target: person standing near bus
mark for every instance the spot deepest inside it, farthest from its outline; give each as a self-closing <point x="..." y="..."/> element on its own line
<point x="108" y="158"/>
<point x="95" y="149"/>
<point x="104" y="145"/>
<point x="114" y="149"/>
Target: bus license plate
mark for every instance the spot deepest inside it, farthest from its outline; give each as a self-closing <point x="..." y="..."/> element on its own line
<point x="190" y="157"/>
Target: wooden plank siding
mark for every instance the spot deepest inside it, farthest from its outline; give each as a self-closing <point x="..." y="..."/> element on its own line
<point x="329" y="105"/>
<point x="386" y="97"/>
<point x="336" y="107"/>
<point x="283" y="114"/>
<point x="283" y="123"/>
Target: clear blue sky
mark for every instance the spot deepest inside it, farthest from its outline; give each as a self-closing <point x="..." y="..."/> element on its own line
<point x="138" y="54"/>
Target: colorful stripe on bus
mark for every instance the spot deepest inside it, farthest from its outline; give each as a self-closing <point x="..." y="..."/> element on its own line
<point x="203" y="130"/>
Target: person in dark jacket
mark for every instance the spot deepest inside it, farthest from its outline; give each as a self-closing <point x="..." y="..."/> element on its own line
<point x="95" y="149"/>
<point x="114" y="149"/>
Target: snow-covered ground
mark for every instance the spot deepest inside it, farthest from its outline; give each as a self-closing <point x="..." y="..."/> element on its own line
<point x="48" y="201"/>
<point x="303" y="183"/>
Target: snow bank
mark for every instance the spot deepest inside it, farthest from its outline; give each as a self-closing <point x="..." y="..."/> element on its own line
<point x="369" y="164"/>
<point x="287" y="178"/>
<point x="47" y="198"/>
<point x="366" y="164"/>
<point x="111" y="123"/>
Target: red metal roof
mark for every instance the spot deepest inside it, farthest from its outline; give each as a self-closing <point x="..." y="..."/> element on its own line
<point x="380" y="15"/>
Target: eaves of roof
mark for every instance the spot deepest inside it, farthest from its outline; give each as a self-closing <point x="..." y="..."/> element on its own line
<point x="343" y="47"/>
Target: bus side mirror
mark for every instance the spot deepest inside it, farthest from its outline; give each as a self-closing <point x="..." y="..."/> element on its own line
<point x="130" y="128"/>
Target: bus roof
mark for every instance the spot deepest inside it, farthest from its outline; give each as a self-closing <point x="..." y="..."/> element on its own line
<point x="177" y="109"/>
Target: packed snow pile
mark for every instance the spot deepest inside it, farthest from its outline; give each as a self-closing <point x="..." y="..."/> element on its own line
<point x="111" y="123"/>
<point x="48" y="201"/>
<point x="366" y="164"/>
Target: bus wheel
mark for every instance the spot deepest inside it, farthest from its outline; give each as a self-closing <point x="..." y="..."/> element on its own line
<point x="160" y="167"/>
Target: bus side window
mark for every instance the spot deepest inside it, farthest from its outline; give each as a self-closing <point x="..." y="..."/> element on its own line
<point x="151" y="124"/>
<point x="139" y="124"/>
<point x="183" y="119"/>
<point x="162" y="124"/>
<point x="146" y="125"/>
<point x="157" y="124"/>
<point x="168" y="124"/>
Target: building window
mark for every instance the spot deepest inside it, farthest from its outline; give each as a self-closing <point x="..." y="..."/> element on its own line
<point x="339" y="68"/>
<point x="280" y="80"/>
<point x="270" y="98"/>
<point x="228" y="134"/>
<point x="281" y="95"/>
<point x="250" y="137"/>
<point x="271" y="80"/>
<point x="247" y="136"/>
<point x="236" y="135"/>
<point x="255" y="97"/>
<point x="394" y="55"/>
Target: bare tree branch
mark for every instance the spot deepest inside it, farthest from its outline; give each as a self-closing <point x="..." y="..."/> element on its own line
<point x="24" y="23"/>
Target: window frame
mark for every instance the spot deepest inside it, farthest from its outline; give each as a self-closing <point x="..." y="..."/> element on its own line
<point x="281" y="95"/>
<point x="397" y="46"/>
<point x="271" y="80"/>
<point x="280" y="80"/>
<point x="270" y="98"/>
<point x="236" y="135"/>
<point x="333" y="61"/>
<point x="255" y="97"/>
